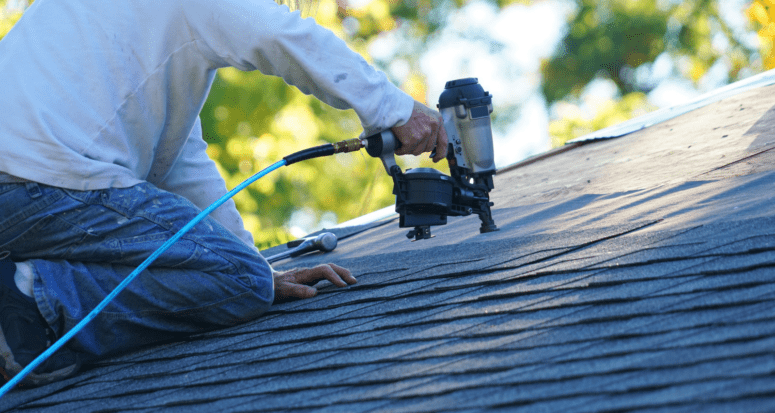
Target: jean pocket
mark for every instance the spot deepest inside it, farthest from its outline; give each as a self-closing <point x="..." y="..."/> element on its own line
<point x="17" y="208"/>
<point x="49" y="237"/>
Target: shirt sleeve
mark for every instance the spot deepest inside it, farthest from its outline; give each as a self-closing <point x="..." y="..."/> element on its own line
<point x="261" y="35"/>
<point x="195" y="177"/>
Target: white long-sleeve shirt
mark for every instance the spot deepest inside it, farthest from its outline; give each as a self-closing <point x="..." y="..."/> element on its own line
<point x="97" y="94"/>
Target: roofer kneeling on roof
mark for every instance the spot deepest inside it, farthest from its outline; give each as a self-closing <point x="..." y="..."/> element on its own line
<point x="103" y="160"/>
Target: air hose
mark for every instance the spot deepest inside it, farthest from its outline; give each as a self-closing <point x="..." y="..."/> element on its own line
<point x="349" y="145"/>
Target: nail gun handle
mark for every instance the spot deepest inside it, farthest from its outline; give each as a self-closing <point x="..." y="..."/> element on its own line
<point x="376" y="145"/>
<point x="383" y="146"/>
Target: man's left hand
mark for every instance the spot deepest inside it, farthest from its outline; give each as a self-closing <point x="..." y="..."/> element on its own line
<point x="297" y="283"/>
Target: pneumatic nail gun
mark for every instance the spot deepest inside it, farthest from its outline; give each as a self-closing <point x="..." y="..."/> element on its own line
<point x="425" y="196"/>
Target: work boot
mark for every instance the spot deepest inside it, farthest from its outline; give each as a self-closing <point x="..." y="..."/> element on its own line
<point x="25" y="334"/>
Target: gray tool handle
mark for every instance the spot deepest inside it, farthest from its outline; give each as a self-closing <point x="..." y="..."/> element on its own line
<point x="324" y="242"/>
<point x="382" y="146"/>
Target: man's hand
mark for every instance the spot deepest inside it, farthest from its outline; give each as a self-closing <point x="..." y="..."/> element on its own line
<point x="424" y="132"/>
<point x="297" y="283"/>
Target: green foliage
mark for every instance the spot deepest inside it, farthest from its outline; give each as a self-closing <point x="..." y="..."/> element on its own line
<point x="8" y="18"/>
<point x="422" y="18"/>
<point x="762" y="14"/>
<point x="700" y="21"/>
<point x="251" y="121"/>
<point x="605" y="38"/>
<point x="610" y="39"/>
<point x="574" y="122"/>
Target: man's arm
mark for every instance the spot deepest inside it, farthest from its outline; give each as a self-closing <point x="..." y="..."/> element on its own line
<point x="260" y="35"/>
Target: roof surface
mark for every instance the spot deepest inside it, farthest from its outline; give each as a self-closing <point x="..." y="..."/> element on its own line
<point x="631" y="274"/>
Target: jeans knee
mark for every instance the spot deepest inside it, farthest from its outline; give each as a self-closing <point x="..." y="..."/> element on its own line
<point x="261" y="280"/>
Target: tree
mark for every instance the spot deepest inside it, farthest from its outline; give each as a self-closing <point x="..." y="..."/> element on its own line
<point x="10" y="12"/>
<point x="762" y="14"/>
<point x="619" y="40"/>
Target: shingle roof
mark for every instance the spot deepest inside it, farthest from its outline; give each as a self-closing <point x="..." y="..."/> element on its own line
<point x="630" y="274"/>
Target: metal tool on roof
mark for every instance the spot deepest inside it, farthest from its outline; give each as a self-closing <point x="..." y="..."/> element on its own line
<point x="324" y="242"/>
<point x="425" y="196"/>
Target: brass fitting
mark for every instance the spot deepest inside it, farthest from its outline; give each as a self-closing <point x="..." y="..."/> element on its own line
<point x="349" y="145"/>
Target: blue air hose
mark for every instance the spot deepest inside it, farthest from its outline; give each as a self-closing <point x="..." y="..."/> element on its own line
<point x="318" y="151"/>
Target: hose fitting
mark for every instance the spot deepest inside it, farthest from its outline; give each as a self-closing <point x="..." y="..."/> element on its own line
<point x="349" y="145"/>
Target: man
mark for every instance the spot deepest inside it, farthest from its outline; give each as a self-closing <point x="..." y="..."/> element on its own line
<point x="103" y="160"/>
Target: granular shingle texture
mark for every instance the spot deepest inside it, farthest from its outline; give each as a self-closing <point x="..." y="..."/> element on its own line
<point x="634" y="274"/>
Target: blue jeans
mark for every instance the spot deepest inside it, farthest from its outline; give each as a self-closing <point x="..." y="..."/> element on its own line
<point x="82" y="244"/>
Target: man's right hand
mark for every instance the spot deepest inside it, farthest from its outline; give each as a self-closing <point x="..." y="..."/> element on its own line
<point x="422" y="133"/>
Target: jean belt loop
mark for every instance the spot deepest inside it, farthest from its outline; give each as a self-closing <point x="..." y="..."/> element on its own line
<point x="33" y="189"/>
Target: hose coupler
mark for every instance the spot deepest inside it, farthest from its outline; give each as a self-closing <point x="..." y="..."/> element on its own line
<point x="349" y="145"/>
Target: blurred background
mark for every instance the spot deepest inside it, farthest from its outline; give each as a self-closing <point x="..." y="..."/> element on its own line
<point x="557" y="69"/>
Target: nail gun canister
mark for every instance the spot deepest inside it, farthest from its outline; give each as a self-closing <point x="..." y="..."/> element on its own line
<point x="465" y="109"/>
<point x="427" y="197"/>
